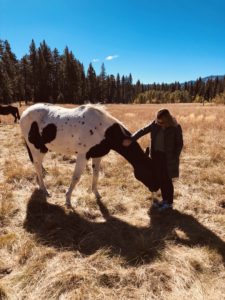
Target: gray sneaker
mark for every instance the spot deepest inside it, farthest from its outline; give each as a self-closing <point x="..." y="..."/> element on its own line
<point x="165" y="206"/>
<point x="156" y="203"/>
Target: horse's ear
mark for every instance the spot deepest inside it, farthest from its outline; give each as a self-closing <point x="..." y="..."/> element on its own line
<point x="116" y="134"/>
<point x="147" y="151"/>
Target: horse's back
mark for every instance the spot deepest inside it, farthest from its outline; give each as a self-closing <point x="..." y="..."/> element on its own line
<point x="34" y="110"/>
<point x="76" y="129"/>
<point x="32" y="113"/>
<point x="5" y="110"/>
<point x="84" y="115"/>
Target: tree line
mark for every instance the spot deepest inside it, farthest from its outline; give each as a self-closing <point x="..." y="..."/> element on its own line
<point x="45" y="75"/>
<point x="212" y="89"/>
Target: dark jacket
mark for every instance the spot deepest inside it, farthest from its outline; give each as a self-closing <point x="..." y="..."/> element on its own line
<point x="173" y="142"/>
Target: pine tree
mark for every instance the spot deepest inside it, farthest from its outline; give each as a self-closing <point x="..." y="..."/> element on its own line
<point x="130" y="89"/>
<point x="72" y="77"/>
<point x="118" y="89"/>
<point x="25" y="86"/>
<point x="46" y="72"/>
<point x="91" y="84"/>
<point x="83" y="85"/>
<point x="111" y="89"/>
<point x="8" y="73"/>
<point x="56" y="75"/>
<point x="6" y="90"/>
<point x="103" y="85"/>
<point x="33" y="60"/>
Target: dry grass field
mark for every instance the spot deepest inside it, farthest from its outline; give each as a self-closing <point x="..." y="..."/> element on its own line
<point x="115" y="248"/>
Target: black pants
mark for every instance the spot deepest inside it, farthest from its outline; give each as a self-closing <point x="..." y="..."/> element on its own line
<point x="165" y="182"/>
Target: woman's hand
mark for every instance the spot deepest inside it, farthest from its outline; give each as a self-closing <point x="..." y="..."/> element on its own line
<point x="126" y="142"/>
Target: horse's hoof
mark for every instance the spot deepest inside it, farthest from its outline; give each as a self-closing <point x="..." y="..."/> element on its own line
<point x="68" y="205"/>
<point x="98" y="196"/>
<point x="46" y="193"/>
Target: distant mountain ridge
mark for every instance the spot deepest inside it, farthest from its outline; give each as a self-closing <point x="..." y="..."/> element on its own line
<point x="212" y="77"/>
<point x="205" y="79"/>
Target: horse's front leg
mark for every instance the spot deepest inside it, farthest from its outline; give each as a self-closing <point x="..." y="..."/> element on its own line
<point x="95" y="167"/>
<point x="79" y="168"/>
<point x="38" y="167"/>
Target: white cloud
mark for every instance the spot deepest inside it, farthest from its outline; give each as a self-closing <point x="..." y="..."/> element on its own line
<point x="111" y="57"/>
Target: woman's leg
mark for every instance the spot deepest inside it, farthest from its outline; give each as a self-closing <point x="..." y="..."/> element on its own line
<point x="167" y="189"/>
<point x="166" y="183"/>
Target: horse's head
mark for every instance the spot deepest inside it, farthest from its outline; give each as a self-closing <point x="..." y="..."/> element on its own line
<point x="142" y="164"/>
<point x="144" y="172"/>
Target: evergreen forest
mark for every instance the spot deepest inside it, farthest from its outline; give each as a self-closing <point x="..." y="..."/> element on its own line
<point x="45" y="75"/>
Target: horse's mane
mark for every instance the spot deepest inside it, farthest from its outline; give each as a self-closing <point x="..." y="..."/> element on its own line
<point x="98" y="106"/>
<point x="103" y="110"/>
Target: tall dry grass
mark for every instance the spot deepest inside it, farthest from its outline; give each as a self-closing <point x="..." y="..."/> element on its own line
<point x="115" y="248"/>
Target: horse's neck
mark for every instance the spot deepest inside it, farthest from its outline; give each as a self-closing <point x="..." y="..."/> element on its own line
<point x="134" y="154"/>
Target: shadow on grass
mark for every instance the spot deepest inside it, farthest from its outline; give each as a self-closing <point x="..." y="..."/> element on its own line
<point x="57" y="227"/>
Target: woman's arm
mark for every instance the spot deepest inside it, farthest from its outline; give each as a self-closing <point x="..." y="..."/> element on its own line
<point x="143" y="131"/>
<point x="138" y="134"/>
<point x="178" y="141"/>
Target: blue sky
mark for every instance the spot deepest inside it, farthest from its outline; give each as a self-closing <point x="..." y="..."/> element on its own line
<point x="155" y="41"/>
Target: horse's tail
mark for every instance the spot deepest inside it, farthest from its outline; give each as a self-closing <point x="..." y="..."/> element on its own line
<point x="29" y="153"/>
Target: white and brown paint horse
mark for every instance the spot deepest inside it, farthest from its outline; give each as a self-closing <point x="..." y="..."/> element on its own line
<point x="9" y="109"/>
<point x="87" y="131"/>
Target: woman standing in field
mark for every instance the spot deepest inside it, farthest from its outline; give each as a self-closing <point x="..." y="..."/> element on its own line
<point x="166" y="146"/>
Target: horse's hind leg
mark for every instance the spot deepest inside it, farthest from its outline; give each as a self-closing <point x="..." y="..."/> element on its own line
<point x="79" y="168"/>
<point x="15" y="117"/>
<point x="95" y="167"/>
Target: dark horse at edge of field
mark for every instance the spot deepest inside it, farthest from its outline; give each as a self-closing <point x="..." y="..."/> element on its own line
<point x="9" y="109"/>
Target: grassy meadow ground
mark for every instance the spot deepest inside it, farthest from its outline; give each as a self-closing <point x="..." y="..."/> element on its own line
<point x="115" y="248"/>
